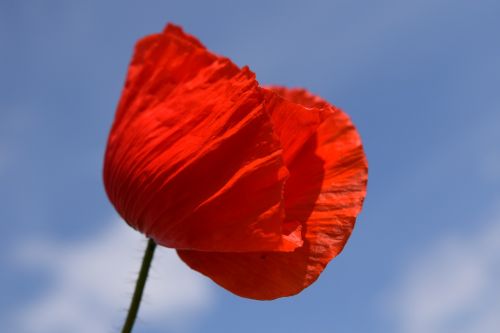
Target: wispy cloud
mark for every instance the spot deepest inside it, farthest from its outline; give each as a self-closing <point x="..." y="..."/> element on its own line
<point x="453" y="285"/>
<point x="92" y="282"/>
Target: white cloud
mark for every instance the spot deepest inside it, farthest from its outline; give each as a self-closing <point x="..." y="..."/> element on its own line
<point x="453" y="286"/>
<point x="93" y="281"/>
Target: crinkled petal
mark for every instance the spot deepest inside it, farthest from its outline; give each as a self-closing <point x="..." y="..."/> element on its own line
<point x="324" y="193"/>
<point x="192" y="159"/>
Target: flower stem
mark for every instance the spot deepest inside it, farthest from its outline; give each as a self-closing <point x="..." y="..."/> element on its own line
<point x="139" y="287"/>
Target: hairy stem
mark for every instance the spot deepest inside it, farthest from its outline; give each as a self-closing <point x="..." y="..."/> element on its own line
<point x="139" y="287"/>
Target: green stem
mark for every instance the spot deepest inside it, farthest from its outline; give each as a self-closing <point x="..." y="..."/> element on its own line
<point x="139" y="287"/>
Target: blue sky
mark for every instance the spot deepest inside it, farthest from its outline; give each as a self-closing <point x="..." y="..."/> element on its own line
<point x="420" y="80"/>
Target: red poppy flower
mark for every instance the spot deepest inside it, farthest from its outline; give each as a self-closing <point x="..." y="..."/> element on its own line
<point x="257" y="188"/>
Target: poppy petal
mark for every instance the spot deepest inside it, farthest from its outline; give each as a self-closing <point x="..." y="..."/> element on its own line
<point x="192" y="159"/>
<point x="324" y="193"/>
